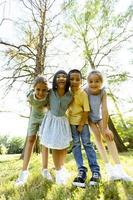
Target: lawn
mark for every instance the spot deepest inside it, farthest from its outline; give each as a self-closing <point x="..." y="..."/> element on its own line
<point x="39" y="189"/>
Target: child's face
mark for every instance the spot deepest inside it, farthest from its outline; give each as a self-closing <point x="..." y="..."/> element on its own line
<point x="61" y="80"/>
<point x="94" y="83"/>
<point x="41" y="90"/>
<point x="75" y="81"/>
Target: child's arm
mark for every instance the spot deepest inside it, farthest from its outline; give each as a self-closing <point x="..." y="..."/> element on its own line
<point x="83" y="121"/>
<point x="108" y="133"/>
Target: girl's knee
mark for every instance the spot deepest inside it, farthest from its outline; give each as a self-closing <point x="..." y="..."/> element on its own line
<point x="32" y="139"/>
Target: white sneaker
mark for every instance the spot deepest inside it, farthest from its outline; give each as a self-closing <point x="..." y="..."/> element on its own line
<point x="111" y="173"/>
<point x="65" y="173"/>
<point x="121" y="173"/>
<point x="22" y="179"/>
<point x="60" y="177"/>
<point x="46" y="174"/>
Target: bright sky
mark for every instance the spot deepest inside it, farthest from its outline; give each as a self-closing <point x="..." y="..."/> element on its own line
<point x="11" y="123"/>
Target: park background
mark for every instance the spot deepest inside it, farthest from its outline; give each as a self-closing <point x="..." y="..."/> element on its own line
<point x="43" y="36"/>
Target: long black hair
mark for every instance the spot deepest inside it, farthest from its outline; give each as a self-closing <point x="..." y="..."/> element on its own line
<point x="54" y="84"/>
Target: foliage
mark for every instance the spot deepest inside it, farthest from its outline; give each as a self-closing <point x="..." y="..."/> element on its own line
<point x="98" y="32"/>
<point x="38" y="188"/>
<point x="16" y="145"/>
<point x="126" y="133"/>
<point x="38" y="27"/>
<point x="5" y="140"/>
<point x="97" y="29"/>
<point x="3" y="149"/>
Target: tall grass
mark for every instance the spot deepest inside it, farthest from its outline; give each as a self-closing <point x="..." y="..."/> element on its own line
<point x="38" y="188"/>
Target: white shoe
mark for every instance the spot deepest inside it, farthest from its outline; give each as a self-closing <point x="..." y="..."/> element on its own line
<point x="111" y="173"/>
<point x="60" y="177"/>
<point x="22" y="179"/>
<point x="122" y="174"/>
<point x="46" y="174"/>
<point x="65" y="173"/>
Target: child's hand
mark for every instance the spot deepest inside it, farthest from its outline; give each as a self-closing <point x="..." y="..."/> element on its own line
<point x="108" y="134"/>
<point x="79" y="129"/>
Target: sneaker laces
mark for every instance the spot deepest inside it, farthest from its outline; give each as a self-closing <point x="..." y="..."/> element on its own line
<point x="95" y="175"/>
<point x="82" y="174"/>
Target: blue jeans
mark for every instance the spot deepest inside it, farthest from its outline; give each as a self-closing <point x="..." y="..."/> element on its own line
<point x="84" y="136"/>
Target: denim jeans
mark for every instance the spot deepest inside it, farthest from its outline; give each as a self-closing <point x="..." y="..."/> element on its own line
<point x="84" y="136"/>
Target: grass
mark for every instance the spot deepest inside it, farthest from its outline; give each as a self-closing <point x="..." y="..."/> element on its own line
<point x="39" y="189"/>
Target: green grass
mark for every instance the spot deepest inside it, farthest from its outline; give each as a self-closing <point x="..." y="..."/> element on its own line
<point x="39" y="189"/>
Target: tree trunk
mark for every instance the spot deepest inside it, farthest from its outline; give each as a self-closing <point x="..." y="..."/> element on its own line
<point x="120" y="146"/>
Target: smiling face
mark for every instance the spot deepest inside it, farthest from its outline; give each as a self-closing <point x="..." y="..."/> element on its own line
<point x="94" y="83"/>
<point x="40" y="90"/>
<point x="75" y="81"/>
<point x="61" y="80"/>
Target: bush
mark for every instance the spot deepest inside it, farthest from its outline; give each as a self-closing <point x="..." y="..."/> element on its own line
<point x="5" y="140"/>
<point x="16" y="145"/>
<point x="3" y="149"/>
<point x="125" y="133"/>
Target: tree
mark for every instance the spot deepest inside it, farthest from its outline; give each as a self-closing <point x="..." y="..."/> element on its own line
<point x="39" y="29"/>
<point x="98" y="32"/>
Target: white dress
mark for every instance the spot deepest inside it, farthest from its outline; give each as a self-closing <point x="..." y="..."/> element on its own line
<point x="55" y="132"/>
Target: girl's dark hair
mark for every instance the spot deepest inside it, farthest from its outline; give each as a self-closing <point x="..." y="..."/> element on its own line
<point x="96" y="72"/>
<point x="39" y="79"/>
<point x="54" y="84"/>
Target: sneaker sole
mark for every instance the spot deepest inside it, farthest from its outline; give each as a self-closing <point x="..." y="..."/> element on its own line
<point x="126" y="179"/>
<point x="20" y="184"/>
<point x="92" y="183"/>
<point x="82" y="185"/>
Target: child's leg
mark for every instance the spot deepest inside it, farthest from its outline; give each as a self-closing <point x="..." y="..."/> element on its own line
<point x="45" y="173"/>
<point x="111" y="146"/>
<point x="90" y="152"/>
<point x="27" y="154"/>
<point x="98" y="140"/>
<point x="91" y="155"/>
<point x="56" y="159"/>
<point x="76" y="149"/>
<point x="118" y="169"/>
<point x="113" y="151"/>
<point x="63" y="154"/>
<point x="44" y="157"/>
<point x="28" y="150"/>
<point x="59" y="158"/>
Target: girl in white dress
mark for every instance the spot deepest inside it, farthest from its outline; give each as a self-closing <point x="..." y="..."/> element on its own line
<point x="55" y="130"/>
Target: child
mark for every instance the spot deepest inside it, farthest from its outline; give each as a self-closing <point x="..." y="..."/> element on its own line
<point x="78" y="118"/>
<point x="37" y="100"/>
<point x="55" y="130"/>
<point x="98" y="121"/>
